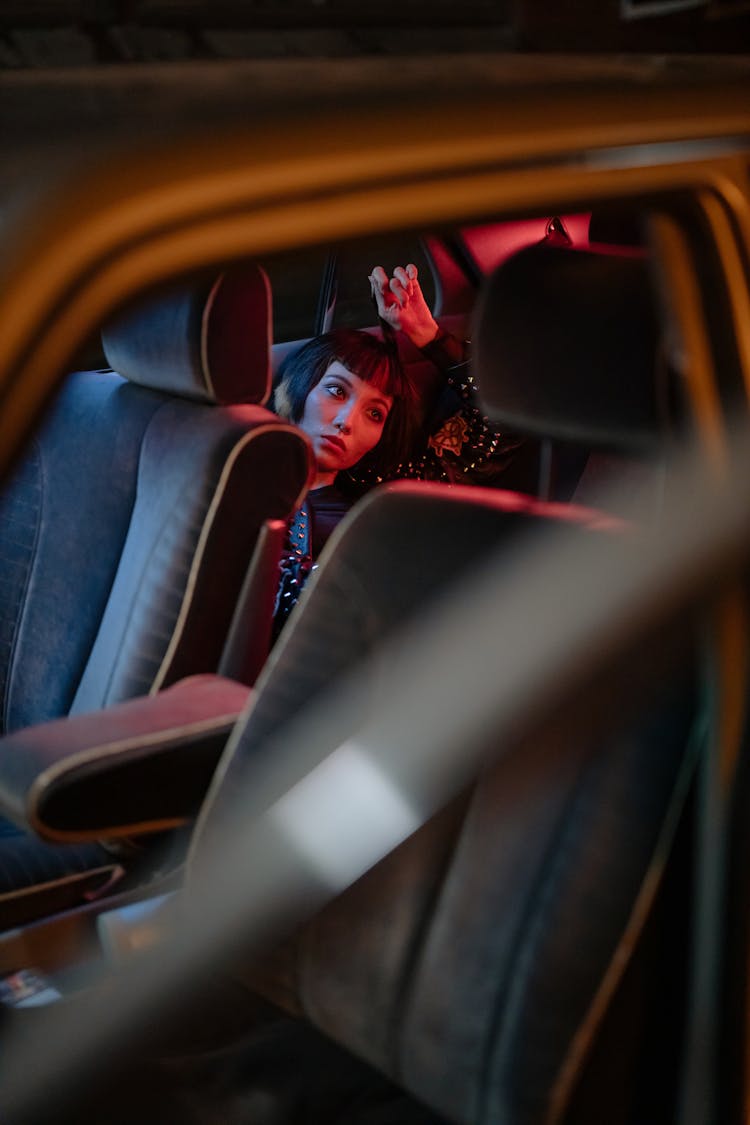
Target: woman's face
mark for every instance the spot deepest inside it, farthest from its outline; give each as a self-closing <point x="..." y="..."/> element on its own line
<point x="344" y="418"/>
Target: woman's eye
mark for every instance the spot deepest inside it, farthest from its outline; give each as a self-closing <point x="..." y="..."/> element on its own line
<point x="377" y="415"/>
<point x="335" y="390"/>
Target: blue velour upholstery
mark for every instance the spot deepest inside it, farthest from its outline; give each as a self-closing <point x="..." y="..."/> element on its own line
<point x="209" y="341"/>
<point x="63" y="520"/>
<point x="206" y="483"/>
<point x="127" y="529"/>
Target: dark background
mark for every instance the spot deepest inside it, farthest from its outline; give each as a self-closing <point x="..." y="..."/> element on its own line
<point x="53" y="33"/>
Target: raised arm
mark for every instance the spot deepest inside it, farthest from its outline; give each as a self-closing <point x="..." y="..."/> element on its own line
<point x="400" y="303"/>
<point x="460" y="443"/>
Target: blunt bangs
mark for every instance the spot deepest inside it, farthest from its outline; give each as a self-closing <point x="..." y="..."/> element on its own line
<point x="375" y="361"/>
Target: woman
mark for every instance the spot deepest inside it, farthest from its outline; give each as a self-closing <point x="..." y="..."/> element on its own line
<point x="348" y="391"/>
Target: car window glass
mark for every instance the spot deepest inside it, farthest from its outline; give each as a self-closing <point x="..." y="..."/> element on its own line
<point x="296" y="280"/>
<point x="491" y="243"/>
<point x="354" y="261"/>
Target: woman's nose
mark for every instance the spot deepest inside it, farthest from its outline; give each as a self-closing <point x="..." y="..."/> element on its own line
<point x="343" y="420"/>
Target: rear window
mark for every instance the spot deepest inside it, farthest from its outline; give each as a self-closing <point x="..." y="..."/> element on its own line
<point x="333" y="280"/>
<point x="296" y="281"/>
<point x="354" y="261"/>
<point x="490" y="244"/>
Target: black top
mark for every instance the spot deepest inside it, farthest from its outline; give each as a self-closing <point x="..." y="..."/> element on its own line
<point x="309" y="530"/>
<point x="327" y="507"/>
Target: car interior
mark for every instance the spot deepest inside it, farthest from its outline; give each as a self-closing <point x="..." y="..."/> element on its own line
<point x="502" y="937"/>
<point x="155" y="611"/>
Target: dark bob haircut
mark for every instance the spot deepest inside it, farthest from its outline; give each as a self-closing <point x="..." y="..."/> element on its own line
<point x="374" y="360"/>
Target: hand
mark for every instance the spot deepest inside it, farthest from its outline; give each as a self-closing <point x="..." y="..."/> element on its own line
<point x="401" y="303"/>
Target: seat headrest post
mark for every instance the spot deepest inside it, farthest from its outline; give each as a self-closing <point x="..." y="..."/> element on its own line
<point x="567" y="346"/>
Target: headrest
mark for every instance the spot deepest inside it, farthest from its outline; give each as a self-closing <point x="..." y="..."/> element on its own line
<point x="615" y="225"/>
<point x="566" y="346"/>
<point x="209" y="341"/>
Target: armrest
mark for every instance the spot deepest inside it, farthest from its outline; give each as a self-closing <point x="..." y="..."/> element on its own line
<point x="140" y="766"/>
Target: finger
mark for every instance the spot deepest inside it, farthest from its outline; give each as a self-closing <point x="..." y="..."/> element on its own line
<point x="398" y="291"/>
<point x="402" y="276"/>
<point x="378" y="279"/>
<point x="412" y="271"/>
<point x="381" y="294"/>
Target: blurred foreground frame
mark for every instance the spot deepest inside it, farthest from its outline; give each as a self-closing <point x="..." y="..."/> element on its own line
<point x="596" y="603"/>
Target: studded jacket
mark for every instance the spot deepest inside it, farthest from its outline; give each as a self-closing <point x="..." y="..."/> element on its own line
<point x="460" y="445"/>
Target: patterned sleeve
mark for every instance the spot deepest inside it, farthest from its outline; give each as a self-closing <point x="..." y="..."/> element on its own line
<point x="461" y="444"/>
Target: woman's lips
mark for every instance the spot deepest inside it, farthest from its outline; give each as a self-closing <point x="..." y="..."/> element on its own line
<point x="336" y="442"/>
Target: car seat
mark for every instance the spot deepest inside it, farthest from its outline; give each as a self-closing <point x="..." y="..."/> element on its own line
<point x="129" y="526"/>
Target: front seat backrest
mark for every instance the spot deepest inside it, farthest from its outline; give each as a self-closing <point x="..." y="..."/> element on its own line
<point x="128" y="526"/>
<point x="474" y="964"/>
